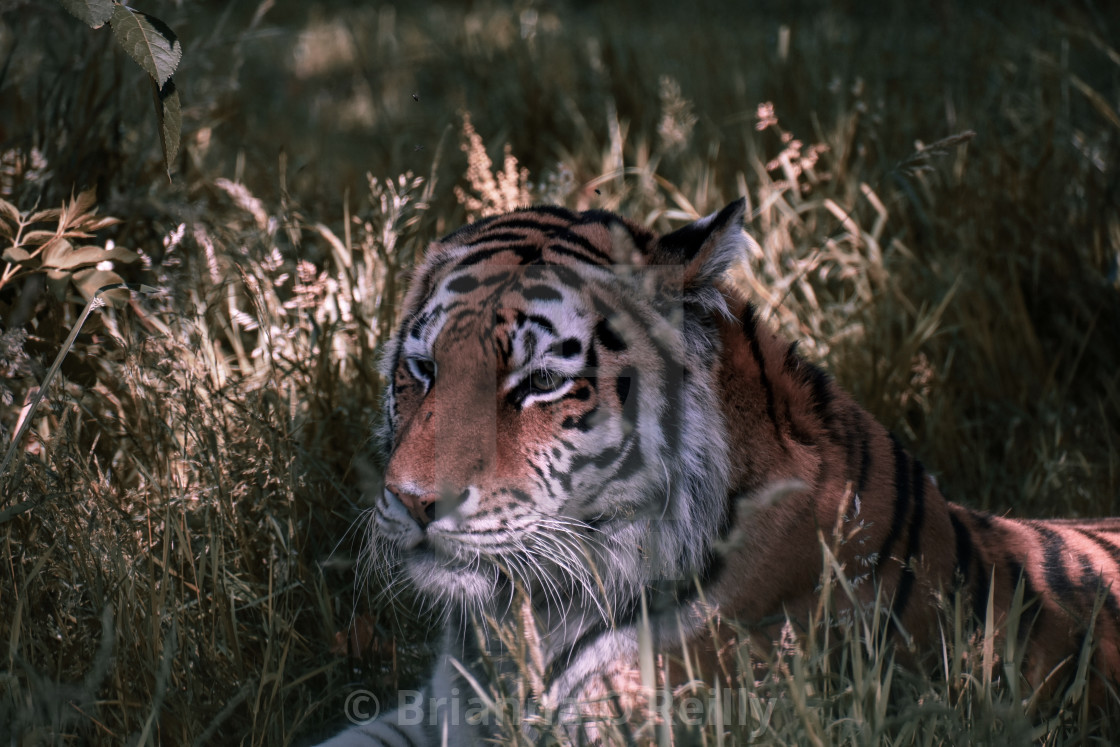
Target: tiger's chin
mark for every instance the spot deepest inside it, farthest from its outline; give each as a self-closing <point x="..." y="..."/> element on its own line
<point x="439" y="577"/>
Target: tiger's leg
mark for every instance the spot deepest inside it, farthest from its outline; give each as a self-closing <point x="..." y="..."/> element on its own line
<point x="435" y="715"/>
<point x="385" y="730"/>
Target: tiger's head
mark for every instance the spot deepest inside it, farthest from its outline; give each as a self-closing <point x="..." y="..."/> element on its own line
<point x="551" y="420"/>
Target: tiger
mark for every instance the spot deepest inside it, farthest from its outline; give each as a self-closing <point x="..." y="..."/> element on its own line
<point x="589" y="431"/>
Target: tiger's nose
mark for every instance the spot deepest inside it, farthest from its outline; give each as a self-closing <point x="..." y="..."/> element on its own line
<point x="421" y="506"/>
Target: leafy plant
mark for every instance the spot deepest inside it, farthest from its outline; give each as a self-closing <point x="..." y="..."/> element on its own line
<point x="55" y="252"/>
<point x="154" y="47"/>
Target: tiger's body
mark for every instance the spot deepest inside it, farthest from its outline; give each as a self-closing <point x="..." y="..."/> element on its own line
<point x="584" y="423"/>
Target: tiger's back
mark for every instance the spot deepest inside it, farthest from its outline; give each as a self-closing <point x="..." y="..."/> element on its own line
<point x="584" y="419"/>
<point x="794" y="422"/>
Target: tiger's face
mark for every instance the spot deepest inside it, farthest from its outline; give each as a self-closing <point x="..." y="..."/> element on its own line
<point x="516" y="410"/>
<point x="534" y="421"/>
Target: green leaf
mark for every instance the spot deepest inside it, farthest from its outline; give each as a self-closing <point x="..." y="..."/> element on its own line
<point x="148" y="41"/>
<point x="169" y="118"/>
<point x="93" y="13"/>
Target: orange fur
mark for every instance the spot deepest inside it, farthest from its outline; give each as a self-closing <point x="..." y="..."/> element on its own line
<point x="776" y="567"/>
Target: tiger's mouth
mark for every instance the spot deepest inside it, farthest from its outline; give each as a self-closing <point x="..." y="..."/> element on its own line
<point x="447" y="572"/>
<point x="439" y="549"/>
<point x="465" y="555"/>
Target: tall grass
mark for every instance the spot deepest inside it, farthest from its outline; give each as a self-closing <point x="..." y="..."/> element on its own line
<point x="178" y="530"/>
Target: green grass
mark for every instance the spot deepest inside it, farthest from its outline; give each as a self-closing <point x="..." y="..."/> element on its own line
<point x="176" y="536"/>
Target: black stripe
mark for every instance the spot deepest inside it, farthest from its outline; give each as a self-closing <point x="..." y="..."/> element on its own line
<point x="1092" y="582"/>
<point x="792" y="360"/>
<point x="545" y="479"/>
<point x="497" y="279"/>
<point x="676" y="378"/>
<point x="592" y="361"/>
<point x="714" y="563"/>
<point x="582" y="256"/>
<point x="1111" y="600"/>
<point x="541" y="293"/>
<point x="505" y="238"/>
<point x="821" y="393"/>
<point x="820" y="383"/>
<point x="1106" y="547"/>
<point x="583" y="423"/>
<point x="583" y="243"/>
<point x="633" y="462"/>
<point x="1053" y="564"/>
<point x="602" y="460"/>
<point x="421" y="319"/>
<point x="525" y="226"/>
<point x="622" y="386"/>
<point x="503" y="345"/>
<point x="630" y="394"/>
<point x="580" y="393"/>
<point x="567" y="277"/>
<point x="1054" y="549"/>
<point x="901" y="501"/>
<point x="528" y="337"/>
<point x="607" y="337"/>
<point x="913" y="542"/>
<point x="564" y="478"/>
<point x="519" y="393"/>
<point x="639" y="236"/>
<point x="607" y="310"/>
<point x="541" y="321"/>
<point x="527" y="254"/>
<point x="462" y="284"/>
<point x="1082" y="640"/>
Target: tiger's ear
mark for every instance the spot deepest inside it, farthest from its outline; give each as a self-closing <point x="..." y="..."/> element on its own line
<point x="705" y="248"/>
<point x="691" y="259"/>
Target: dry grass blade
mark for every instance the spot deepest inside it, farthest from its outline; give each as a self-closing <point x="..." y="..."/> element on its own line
<point x="1099" y="102"/>
<point x="29" y="414"/>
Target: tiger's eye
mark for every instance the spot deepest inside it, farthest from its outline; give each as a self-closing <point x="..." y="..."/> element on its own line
<point x="544" y="381"/>
<point x="424" y="368"/>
